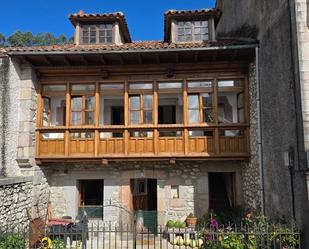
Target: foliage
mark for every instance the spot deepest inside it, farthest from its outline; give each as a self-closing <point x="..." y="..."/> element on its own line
<point x="191" y="215"/>
<point x="12" y="241"/>
<point x="27" y="39"/>
<point x="58" y="243"/>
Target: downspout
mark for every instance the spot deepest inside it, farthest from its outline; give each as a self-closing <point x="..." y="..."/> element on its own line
<point x="259" y="130"/>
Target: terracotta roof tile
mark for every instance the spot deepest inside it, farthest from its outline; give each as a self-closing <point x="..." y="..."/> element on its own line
<point x="138" y="45"/>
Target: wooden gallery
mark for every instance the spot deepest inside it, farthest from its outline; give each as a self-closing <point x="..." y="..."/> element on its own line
<point x="165" y="127"/>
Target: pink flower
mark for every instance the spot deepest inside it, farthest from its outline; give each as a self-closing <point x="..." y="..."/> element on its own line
<point x="213" y="223"/>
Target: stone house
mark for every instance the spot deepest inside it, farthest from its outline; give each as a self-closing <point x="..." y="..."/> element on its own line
<point x="172" y="127"/>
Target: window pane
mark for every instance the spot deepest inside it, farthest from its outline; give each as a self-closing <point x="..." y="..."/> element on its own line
<point x="193" y="101"/>
<point x="199" y="84"/>
<point x="52" y="135"/>
<point x="193" y="116"/>
<point x="89" y="103"/>
<point x="227" y="108"/>
<point x="134" y="117"/>
<point x="111" y="86"/>
<point x="231" y="133"/>
<point x="106" y="135"/>
<point x="82" y="135"/>
<point x="58" y="110"/>
<point x="240" y="100"/>
<point x="170" y="108"/>
<point x="206" y="100"/>
<point x="134" y="103"/>
<point x="200" y="133"/>
<point x="170" y="85"/>
<point x="147" y="101"/>
<point x="141" y="134"/>
<point x="147" y="117"/>
<point x="241" y="117"/>
<point x="198" y="37"/>
<point x="54" y="88"/>
<point x="89" y="118"/>
<point x="46" y="107"/>
<point x="169" y="133"/>
<point x="111" y="109"/>
<point x="76" y="103"/>
<point x="141" y="86"/>
<point x="83" y="87"/>
<point x="207" y="115"/>
<point x="230" y="83"/>
<point x="76" y="118"/>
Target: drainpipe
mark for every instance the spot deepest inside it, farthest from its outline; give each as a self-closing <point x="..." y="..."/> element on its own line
<point x="260" y="148"/>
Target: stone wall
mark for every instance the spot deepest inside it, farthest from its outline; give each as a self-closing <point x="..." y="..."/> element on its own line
<point x="190" y="176"/>
<point x="250" y="171"/>
<point x="16" y="201"/>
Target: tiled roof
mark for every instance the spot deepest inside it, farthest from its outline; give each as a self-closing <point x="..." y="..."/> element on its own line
<point x="119" y="16"/>
<point x="170" y="14"/>
<point x="134" y="46"/>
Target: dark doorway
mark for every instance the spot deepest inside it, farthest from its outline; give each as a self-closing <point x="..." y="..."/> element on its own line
<point x="167" y="114"/>
<point x="91" y="197"/>
<point x="145" y="202"/>
<point x="117" y="114"/>
<point x="221" y="191"/>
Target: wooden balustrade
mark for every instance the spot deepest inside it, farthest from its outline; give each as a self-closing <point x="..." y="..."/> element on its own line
<point x="153" y="146"/>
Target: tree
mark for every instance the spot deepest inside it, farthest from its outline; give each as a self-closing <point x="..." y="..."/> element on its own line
<point x="20" y="39"/>
<point x="2" y="40"/>
<point x="62" y="39"/>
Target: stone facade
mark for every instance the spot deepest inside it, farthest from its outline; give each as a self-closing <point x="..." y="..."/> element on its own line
<point x="250" y="171"/>
<point x="16" y="202"/>
<point x="191" y="177"/>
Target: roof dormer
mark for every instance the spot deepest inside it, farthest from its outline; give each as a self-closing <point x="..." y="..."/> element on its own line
<point x="189" y="25"/>
<point x="96" y="29"/>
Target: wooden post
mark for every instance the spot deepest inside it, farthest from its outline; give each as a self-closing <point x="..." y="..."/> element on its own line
<point x="155" y="117"/>
<point x="215" y="106"/>
<point x="96" y="119"/>
<point x="185" y="117"/>
<point x="126" y="117"/>
<point x="67" y="120"/>
<point x="38" y="120"/>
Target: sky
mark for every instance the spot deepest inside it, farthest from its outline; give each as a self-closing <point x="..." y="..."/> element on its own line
<point x="144" y="17"/>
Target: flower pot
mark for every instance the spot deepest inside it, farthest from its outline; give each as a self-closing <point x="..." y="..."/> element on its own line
<point x="191" y="222"/>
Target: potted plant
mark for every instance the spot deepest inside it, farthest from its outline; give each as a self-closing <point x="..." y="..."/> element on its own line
<point x="191" y="220"/>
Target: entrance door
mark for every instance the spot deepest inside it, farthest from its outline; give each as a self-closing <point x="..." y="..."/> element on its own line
<point x="221" y="191"/>
<point x="145" y="202"/>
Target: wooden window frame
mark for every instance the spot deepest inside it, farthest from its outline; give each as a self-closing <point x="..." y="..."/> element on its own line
<point x="141" y="108"/>
<point x="88" y="26"/>
<point x="192" y="27"/>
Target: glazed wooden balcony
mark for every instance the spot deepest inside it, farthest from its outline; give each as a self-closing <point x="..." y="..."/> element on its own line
<point x="184" y="146"/>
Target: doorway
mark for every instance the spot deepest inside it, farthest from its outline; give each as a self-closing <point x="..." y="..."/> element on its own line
<point x="144" y="193"/>
<point x="221" y="191"/>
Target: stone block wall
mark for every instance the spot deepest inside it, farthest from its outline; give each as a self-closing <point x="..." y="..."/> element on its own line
<point x="16" y="202"/>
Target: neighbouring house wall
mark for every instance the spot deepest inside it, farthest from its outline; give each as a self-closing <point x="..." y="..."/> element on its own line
<point x="190" y="176"/>
<point x="269" y="23"/>
<point x="15" y="204"/>
<point x="302" y="26"/>
<point x="17" y="134"/>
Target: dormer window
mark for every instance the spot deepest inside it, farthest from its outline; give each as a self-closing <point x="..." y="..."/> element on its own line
<point x="97" y="34"/>
<point x="192" y="31"/>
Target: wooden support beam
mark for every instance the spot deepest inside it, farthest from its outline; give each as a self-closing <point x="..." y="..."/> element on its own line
<point x="84" y="60"/>
<point x="196" y="59"/>
<point x="177" y="58"/>
<point x="158" y="60"/>
<point x="214" y="56"/>
<point x="48" y="61"/>
<point x="121" y="60"/>
<point x="66" y="60"/>
<point x="140" y="58"/>
<point x="103" y="60"/>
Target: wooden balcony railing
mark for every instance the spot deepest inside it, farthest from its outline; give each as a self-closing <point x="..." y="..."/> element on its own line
<point x="102" y="143"/>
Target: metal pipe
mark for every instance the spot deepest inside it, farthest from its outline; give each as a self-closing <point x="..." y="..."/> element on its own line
<point x="260" y="145"/>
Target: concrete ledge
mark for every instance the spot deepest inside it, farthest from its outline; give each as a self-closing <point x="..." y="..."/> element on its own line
<point x="15" y="180"/>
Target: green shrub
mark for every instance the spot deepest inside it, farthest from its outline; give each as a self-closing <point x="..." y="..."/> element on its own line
<point x="12" y="241"/>
<point x="170" y="224"/>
